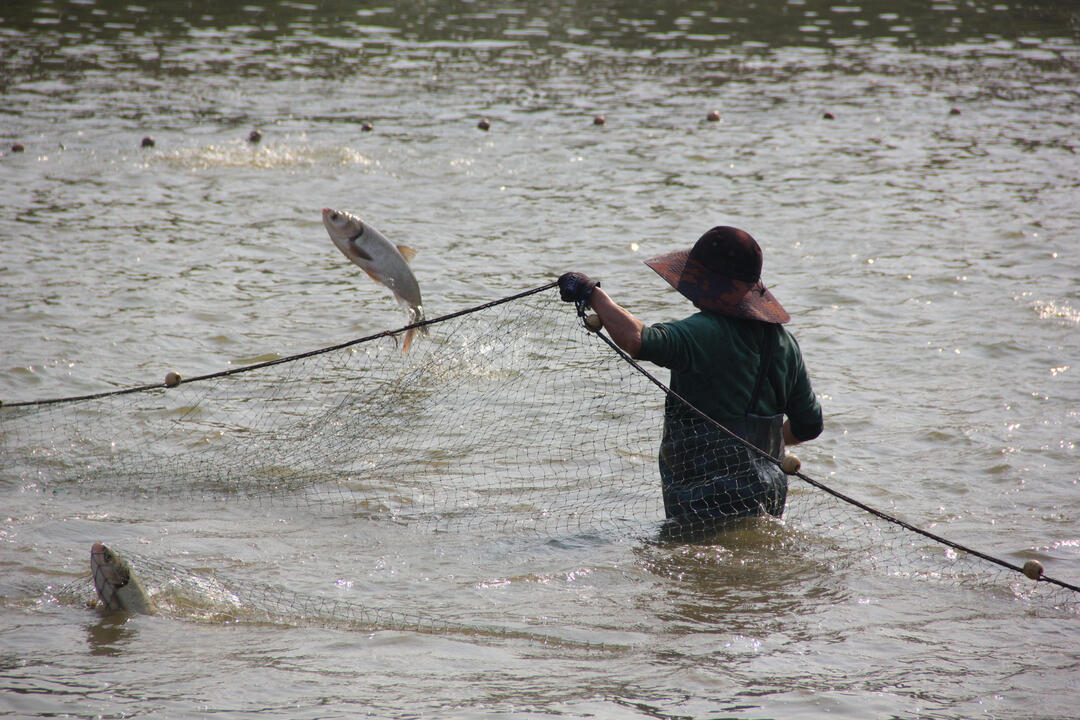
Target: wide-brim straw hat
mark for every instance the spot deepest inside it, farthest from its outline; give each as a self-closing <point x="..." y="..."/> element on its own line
<point x="722" y="274"/>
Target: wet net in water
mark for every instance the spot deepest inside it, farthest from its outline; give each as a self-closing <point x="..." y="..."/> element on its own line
<point x="508" y="418"/>
<point x="203" y="595"/>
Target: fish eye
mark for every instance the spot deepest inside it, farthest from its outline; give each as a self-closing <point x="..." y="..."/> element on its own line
<point x="334" y="216"/>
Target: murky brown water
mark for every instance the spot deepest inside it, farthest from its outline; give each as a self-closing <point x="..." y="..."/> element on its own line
<point x="929" y="258"/>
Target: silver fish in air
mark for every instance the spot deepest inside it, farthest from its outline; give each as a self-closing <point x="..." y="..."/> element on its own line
<point x="116" y="584"/>
<point x="383" y="261"/>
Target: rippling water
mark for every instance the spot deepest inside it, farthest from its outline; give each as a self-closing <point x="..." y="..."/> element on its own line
<point x="910" y="171"/>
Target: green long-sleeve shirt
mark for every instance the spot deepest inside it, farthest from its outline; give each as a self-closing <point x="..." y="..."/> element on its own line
<point x="714" y="362"/>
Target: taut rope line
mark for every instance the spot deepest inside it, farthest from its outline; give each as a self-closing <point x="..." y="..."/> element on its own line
<point x="290" y="358"/>
<point x="231" y="476"/>
<point x="821" y="486"/>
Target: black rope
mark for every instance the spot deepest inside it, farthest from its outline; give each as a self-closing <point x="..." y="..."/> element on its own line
<point x="930" y="535"/>
<point x="625" y="357"/>
<point x="819" y="485"/>
<point x="290" y="358"/>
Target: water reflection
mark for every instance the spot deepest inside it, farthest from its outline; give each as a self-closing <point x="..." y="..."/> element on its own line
<point x="741" y="577"/>
<point x="109" y="635"/>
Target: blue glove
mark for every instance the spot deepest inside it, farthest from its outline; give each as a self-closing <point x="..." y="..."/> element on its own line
<point x="576" y="287"/>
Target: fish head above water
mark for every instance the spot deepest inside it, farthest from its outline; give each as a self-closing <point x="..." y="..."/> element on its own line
<point x="111" y="572"/>
<point x="115" y="583"/>
<point x="348" y="233"/>
<point x="341" y="224"/>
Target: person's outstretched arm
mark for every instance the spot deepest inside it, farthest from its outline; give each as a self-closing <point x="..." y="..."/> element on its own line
<point x="622" y="326"/>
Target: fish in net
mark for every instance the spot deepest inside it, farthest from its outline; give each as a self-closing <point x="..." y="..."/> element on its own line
<point x="513" y="418"/>
<point x="203" y="595"/>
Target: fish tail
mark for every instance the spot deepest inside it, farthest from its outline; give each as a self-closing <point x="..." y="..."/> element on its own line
<point x="416" y="315"/>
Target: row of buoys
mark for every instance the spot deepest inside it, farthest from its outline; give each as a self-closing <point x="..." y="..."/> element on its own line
<point x="255" y="136"/>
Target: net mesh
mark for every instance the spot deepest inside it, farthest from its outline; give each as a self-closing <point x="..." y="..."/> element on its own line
<point x="204" y="595"/>
<point x="510" y="418"/>
<point x="491" y="422"/>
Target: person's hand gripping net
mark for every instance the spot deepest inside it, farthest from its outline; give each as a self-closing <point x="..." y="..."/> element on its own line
<point x="576" y="287"/>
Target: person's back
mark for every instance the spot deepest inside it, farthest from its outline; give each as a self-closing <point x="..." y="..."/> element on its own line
<point x="734" y="363"/>
<point x="746" y="375"/>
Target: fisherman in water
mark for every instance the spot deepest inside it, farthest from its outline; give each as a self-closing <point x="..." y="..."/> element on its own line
<point x="733" y="361"/>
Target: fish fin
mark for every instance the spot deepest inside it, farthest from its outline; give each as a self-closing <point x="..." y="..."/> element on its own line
<point x="360" y="252"/>
<point x="406" y="252"/>
<point x="409" y="334"/>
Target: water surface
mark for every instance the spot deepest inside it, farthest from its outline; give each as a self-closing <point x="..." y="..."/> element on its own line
<point x="910" y="171"/>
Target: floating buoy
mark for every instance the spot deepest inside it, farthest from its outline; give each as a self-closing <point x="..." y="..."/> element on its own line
<point x="593" y="322"/>
<point x="484" y="124"/>
<point x="1033" y="569"/>
<point x="148" y="141"/>
<point x="599" y="120"/>
<point x="254" y="136"/>
<point x="790" y="464"/>
<point x="954" y="111"/>
<point x="713" y="116"/>
<point x="17" y="147"/>
<point x="172" y="378"/>
<point x="828" y="116"/>
<point x="367" y="127"/>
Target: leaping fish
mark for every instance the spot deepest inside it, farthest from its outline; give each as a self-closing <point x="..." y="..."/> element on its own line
<point x="380" y="259"/>
<point x="116" y="584"/>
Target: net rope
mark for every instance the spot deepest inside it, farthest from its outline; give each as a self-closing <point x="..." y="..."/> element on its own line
<point x="509" y="417"/>
<point x="764" y="456"/>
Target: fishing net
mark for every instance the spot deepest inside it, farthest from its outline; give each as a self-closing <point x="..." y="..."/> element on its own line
<point x="204" y="595"/>
<point x="508" y="418"/>
<point x="488" y="423"/>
